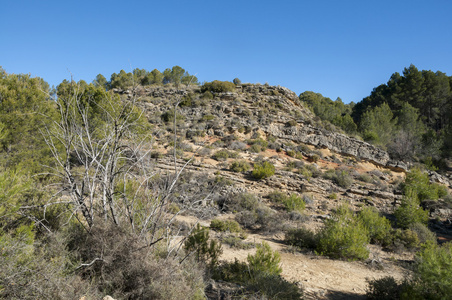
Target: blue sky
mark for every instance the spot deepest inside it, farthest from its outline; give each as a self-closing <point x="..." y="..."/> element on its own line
<point x="337" y="48"/>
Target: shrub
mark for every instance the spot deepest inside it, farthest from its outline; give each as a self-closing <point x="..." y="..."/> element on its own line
<point x="258" y="284"/>
<point x="301" y="238"/>
<point x="227" y="225"/>
<point x="379" y="227"/>
<point x="240" y="202"/>
<point x="207" y="95"/>
<point x="343" y="236"/>
<point x="340" y="177"/>
<point x="260" y="142"/>
<point x="387" y="288"/>
<point x="409" y="211"/>
<point x="423" y="233"/>
<point x="434" y="267"/>
<point x="240" y="166"/>
<point x="263" y="170"/>
<point x="419" y="183"/>
<point x="277" y="197"/>
<point x="294" y="203"/>
<point x="343" y="179"/>
<point x="217" y="86"/>
<point x="198" y="242"/>
<point x="265" y="261"/>
<point x="255" y="148"/>
<point x="406" y="238"/>
<point x="236" y="242"/>
<point x="222" y="155"/>
<point x="237" y="81"/>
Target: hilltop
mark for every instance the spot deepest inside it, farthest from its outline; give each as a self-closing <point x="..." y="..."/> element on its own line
<point x="171" y="190"/>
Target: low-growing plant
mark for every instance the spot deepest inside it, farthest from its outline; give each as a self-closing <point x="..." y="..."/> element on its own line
<point x="423" y="233"/>
<point x="265" y="261"/>
<point x="387" y="288"/>
<point x="294" y="203"/>
<point x="218" y="86"/>
<point x="301" y="238"/>
<point x="433" y="269"/>
<point x="236" y="242"/>
<point x="198" y="242"/>
<point x="379" y="227"/>
<point x="343" y="236"/>
<point x="226" y="225"/>
<point x="409" y="211"/>
<point x="240" y="166"/>
<point x="223" y="155"/>
<point x="263" y="170"/>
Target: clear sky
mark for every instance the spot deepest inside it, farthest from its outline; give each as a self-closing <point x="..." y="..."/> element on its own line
<point x="337" y="48"/>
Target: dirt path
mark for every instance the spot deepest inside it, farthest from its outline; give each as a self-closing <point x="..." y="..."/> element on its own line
<point x="324" y="278"/>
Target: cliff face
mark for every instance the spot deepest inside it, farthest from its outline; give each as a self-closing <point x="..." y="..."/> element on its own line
<point x="273" y="110"/>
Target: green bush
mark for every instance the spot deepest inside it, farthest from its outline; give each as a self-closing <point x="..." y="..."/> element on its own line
<point x="387" y="288"/>
<point x="301" y="238"/>
<point x="217" y="86"/>
<point x="237" y="81"/>
<point x="343" y="236"/>
<point x="409" y="211"/>
<point x="236" y="242"/>
<point x="423" y="233"/>
<point x="340" y="177"/>
<point x="240" y="166"/>
<point x="261" y="285"/>
<point x="434" y="269"/>
<point x="255" y="148"/>
<point x="277" y="197"/>
<point x="294" y="203"/>
<point x="263" y="170"/>
<point x="198" y="242"/>
<point x="265" y="261"/>
<point x="379" y="227"/>
<point x="226" y="225"/>
<point x="419" y="183"/>
<point x="406" y="238"/>
<point x="222" y="155"/>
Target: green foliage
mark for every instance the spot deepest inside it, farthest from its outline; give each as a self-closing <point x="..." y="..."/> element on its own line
<point x="222" y="155"/>
<point x="335" y="112"/>
<point x="101" y="81"/>
<point x="122" y="80"/>
<point x="153" y="77"/>
<point x="387" y="288"/>
<point x="294" y="203"/>
<point x="420" y="101"/>
<point x="409" y="211"/>
<point x="237" y="81"/>
<point x="198" y="242"/>
<point x="168" y="116"/>
<point x="263" y="170"/>
<point x="418" y="183"/>
<point x="301" y="238"/>
<point x="226" y="225"/>
<point x="379" y="227"/>
<point x="434" y="266"/>
<point x="15" y="189"/>
<point x="423" y="233"/>
<point x="240" y="166"/>
<point x="340" y="177"/>
<point x="217" y="86"/>
<point x="343" y="236"/>
<point x="265" y="261"/>
<point x="26" y="110"/>
<point x="378" y="123"/>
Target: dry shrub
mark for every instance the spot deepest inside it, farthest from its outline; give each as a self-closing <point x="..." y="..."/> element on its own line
<point x="127" y="268"/>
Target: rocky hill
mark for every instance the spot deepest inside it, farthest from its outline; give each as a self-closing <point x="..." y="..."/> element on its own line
<point x="221" y="135"/>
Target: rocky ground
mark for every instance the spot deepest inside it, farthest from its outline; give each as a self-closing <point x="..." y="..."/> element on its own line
<point x="302" y="149"/>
